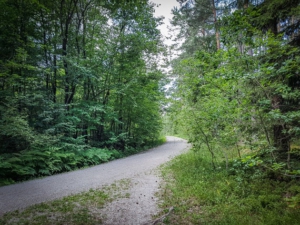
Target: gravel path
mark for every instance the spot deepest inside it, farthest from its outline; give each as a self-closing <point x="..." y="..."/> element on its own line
<point x="140" y="168"/>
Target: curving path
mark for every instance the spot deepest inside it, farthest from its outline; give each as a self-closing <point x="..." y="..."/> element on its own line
<point x="28" y="193"/>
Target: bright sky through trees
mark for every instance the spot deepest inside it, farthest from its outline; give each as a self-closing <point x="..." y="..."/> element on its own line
<point x="165" y="10"/>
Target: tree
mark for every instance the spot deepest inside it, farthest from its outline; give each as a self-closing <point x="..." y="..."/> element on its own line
<point x="247" y="91"/>
<point x="77" y="70"/>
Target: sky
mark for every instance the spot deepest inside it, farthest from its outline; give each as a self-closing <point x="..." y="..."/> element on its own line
<point x="165" y="10"/>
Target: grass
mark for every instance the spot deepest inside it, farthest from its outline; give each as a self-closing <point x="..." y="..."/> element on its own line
<point x="80" y="209"/>
<point x="201" y="195"/>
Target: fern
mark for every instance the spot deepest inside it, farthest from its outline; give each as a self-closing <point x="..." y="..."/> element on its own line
<point x="96" y="156"/>
<point x="48" y="161"/>
<point x="44" y="171"/>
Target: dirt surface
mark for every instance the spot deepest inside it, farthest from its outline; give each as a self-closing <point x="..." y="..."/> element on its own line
<point x="139" y="203"/>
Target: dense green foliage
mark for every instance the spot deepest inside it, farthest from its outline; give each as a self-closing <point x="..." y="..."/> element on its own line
<point x="243" y="92"/>
<point x="236" y="98"/>
<point x="32" y="163"/>
<point x="78" y="78"/>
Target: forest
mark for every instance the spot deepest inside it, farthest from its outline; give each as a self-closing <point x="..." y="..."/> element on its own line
<point x="80" y="84"/>
<point x="86" y="81"/>
<point x="236" y="98"/>
<point x="237" y="78"/>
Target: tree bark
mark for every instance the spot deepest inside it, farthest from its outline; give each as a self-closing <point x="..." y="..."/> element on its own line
<point x="214" y="10"/>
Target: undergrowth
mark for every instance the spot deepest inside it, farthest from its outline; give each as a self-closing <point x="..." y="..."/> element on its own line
<point x="33" y="163"/>
<point x="240" y="195"/>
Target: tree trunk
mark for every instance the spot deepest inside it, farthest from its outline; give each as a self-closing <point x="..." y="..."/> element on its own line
<point x="281" y="138"/>
<point x="214" y="10"/>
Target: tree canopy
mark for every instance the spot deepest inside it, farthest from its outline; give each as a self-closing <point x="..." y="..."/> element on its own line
<point x="77" y="75"/>
<point x="238" y="77"/>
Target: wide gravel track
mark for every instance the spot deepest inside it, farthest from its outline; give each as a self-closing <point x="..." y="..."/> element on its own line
<point x="28" y="193"/>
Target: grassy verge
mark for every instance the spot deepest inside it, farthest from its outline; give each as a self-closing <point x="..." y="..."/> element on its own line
<point x="201" y="195"/>
<point x="80" y="209"/>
